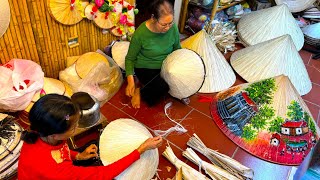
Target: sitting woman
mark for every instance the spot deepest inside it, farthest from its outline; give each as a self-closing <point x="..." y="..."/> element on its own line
<point x="45" y="153"/>
<point x="151" y="43"/>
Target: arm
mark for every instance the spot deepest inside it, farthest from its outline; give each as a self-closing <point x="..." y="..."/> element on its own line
<point x="177" y="44"/>
<point x="131" y="57"/>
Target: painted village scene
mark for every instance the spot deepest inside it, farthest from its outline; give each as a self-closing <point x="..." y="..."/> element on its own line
<point x="258" y="118"/>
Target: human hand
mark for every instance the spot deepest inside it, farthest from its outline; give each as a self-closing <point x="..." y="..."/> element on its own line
<point x="88" y="153"/>
<point x="131" y="86"/>
<point x="150" y="143"/>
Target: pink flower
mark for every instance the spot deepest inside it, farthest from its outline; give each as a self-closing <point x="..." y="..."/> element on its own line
<point x="123" y="19"/>
<point x="99" y="3"/>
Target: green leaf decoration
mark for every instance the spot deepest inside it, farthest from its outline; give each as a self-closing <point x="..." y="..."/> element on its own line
<point x="295" y="111"/>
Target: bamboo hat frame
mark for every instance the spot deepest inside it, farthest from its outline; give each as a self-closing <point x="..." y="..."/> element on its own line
<point x="4" y="16"/>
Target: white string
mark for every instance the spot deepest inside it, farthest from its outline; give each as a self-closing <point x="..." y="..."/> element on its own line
<point x="178" y="127"/>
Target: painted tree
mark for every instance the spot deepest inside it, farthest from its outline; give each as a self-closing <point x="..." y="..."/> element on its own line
<point x="249" y="133"/>
<point x="295" y="111"/>
<point x="261" y="92"/>
<point x="259" y="121"/>
<point x="310" y="122"/>
<point x="275" y="125"/>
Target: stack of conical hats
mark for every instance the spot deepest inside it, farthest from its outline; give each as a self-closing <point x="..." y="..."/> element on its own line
<point x="296" y="5"/>
<point x="219" y="74"/>
<point x="312" y="34"/>
<point x="272" y="58"/>
<point x="267" y="24"/>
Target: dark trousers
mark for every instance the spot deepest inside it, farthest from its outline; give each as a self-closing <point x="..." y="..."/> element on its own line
<point x="153" y="87"/>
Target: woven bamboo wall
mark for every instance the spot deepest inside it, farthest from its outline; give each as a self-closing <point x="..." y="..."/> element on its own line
<point x="33" y="34"/>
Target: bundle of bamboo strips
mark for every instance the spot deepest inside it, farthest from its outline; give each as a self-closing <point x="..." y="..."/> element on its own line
<point x="232" y="166"/>
<point x="215" y="172"/>
<point x="188" y="172"/>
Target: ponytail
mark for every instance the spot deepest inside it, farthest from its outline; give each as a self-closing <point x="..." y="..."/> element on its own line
<point x="30" y="137"/>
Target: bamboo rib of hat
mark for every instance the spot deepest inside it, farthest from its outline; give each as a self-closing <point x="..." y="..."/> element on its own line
<point x="219" y="74"/>
<point x="119" y="51"/>
<point x="296" y="5"/>
<point x="269" y="23"/>
<point x="184" y="72"/>
<point x="272" y="58"/>
<point x="4" y="16"/>
<point x="119" y="139"/>
<point x="312" y="34"/>
<point x="66" y="11"/>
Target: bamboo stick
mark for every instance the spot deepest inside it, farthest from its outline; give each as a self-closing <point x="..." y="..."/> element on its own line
<point x="4" y="49"/>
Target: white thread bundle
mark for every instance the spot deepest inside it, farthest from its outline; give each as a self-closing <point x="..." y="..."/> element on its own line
<point x="232" y="166"/>
<point x="188" y="172"/>
<point x="212" y="170"/>
<point x="272" y="58"/>
<point x="119" y="139"/>
<point x="178" y="127"/>
<point x="266" y="24"/>
<point x="296" y="5"/>
<point x="184" y="72"/>
<point x="219" y="74"/>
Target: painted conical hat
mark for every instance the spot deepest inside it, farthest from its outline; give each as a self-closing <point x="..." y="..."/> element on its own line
<point x="267" y="118"/>
<point x="119" y="51"/>
<point x="50" y="86"/>
<point x="296" y="5"/>
<point x="219" y="74"/>
<point x="4" y="16"/>
<point x="87" y="61"/>
<point x="119" y="139"/>
<point x="269" y="23"/>
<point x="66" y="12"/>
<point x="272" y="58"/>
<point x="184" y="72"/>
<point x="102" y="21"/>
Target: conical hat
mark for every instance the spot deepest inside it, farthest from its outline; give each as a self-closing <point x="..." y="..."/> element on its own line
<point x="119" y="139"/>
<point x="119" y="51"/>
<point x="267" y="118"/>
<point x="296" y="5"/>
<point x="312" y="31"/>
<point x="102" y="22"/>
<point x="272" y="58"/>
<point x="4" y="16"/>
<point x="87" y="61"/>
<point x="269" y="23"/>
<point x="184" y="72"/>
<point x="65" y="12"/>
<point x="50" y="86"/>
<point x="219" y="74"/>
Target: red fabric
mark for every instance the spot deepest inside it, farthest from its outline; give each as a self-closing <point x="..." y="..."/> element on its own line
<point x="36" y="162"/>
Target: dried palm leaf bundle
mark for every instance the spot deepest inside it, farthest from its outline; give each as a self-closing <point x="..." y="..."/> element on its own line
<point x="119" y="51"/>
<point x="119" y="139"/>
<point x="67" y="12"/>
<point x="272" y="58"/>
<point x="188" y="172"/>
<point x="296" y="5"/>
<point x="219" y="74"/>
<point x="87" y="61"/>
<point x="312" y="34"/>
<point x="221" y="160"/>
<point x="267" y="24"/>
<point x="184" y="72"/>
<point x="212" y="170"/>
<point x="4" y="16"/>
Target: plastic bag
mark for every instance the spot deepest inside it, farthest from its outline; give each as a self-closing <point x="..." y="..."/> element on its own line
<point x="19" y="81"/>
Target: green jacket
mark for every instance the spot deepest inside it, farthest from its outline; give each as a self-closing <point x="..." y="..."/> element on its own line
<point x="148" y="49"/>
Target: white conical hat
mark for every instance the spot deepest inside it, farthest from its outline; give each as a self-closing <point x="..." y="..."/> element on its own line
<point x="184" y="72"/>
<point x="65" y="12"/>
<point x="119" y="139"/>
<point x="119" y="51"/>
<point x="219" y="74"/>
<point x="4" y="16"/>
<point x="296" y="5"/>
<point x="269" y="23"/>
<point x="272" y="58"/>
<point x="50" y="86"/>
<point x="312" y="30"/>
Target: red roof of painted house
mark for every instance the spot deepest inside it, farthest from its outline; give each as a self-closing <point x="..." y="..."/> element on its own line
<point x="249" y="101"/>
<point x="275" y="135"/>
<point x="294" y="124"/>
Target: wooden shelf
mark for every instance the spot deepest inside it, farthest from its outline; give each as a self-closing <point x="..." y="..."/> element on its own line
<point x="229" y="5"/>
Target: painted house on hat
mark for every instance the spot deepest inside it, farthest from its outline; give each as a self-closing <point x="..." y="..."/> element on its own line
<point x="295" y="136"/>
<point x="236" y="111"/>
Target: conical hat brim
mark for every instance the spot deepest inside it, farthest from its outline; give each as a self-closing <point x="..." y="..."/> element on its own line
<point x="4" y="16"/>
<point x="272" y="58"/>
<point x="269" y="23"/>
<point x="219" y="74"/>
<point x="50" y="86"/>
<point x="88" y="61"/>
<point x="296" y="5"/>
